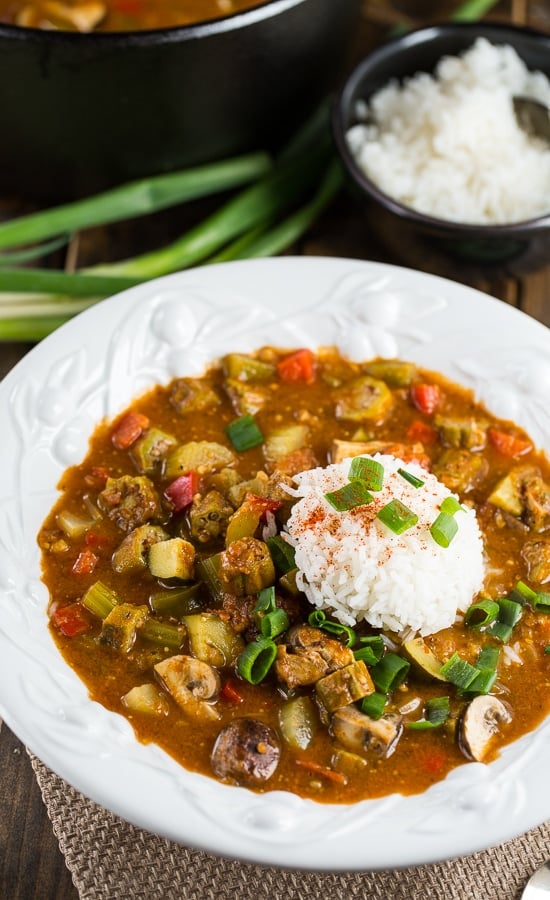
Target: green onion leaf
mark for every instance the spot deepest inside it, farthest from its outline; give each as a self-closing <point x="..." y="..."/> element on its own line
<point x="459" y="672"/>
<point x="542" y="603"/>
<point x="372" y="650"/>
<point x="340" y="631"/>
<point x="522" y="593"/>
<point x="547" y="649"/>
<point x="390" y="672"/>
<point x="244" y="433"/>
<point x="397" y="517"/>
<point x="282" y="554"/>
<point x="487" y="663"/>
<point x="412" y="479"/>
<point x="317" y="618"/>
<point x="274" y="623"/>
<point x="436" y="714"/>
<point x="451" y="506"/>
<point x="444" y="529"/>
<point x="349" y="496"/>
<point x="481" y="614"/>
<point x="256" y="660"/>
<point x="369" y="471"/>
<point x="266" y="601"/>
<point x="374" y="704"/>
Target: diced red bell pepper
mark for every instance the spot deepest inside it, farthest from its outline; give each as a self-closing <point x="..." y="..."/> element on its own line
<point x="71" y="620"/>
<point x="85" y="563"/>
<point x="508" y="444"/>
<point x="426" y="397"/>
<point x="129" y="429"/>
<point x="230" y="693"/>
<point x="421" y="432"/>
<point x="298" y="366"/>
<point x="97" y="476"/>
<point x="433" y="762"/>
<point x="180" y="492"/>
<point x="97" y="540"/>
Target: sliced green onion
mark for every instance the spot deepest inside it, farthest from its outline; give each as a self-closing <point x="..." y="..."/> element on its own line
<point x="374" y="704"/>
<point x="318" y="619"/>
<point x="349" y="496"/>
<point x="501" y="631"/>
<point x="340" y="631"/>
<point x="542" y="603"/>
<point x="547" y="649"/>
<point x="509" y="611"/>
<point x="266" y="600"/>
<point x="451" y="506"/>
<point x="369" y="471"/>
<point x="436" y="714"/>
<point x="244" y="434"/>
<point x="412" y="479"/>
<point x="366" y="655"/>
<point x="459" y="672"/>
<point x="444" y="529"/>
<point x="256" y="660"/>
<point x="397" y="517"/>
<point x="487" y="663"/>
<point x="274" y="623"/>
<point x="390" y="672"/>
<point x="282" y="554"/>
<point x="375" y="644"/>
<point x="478" y="615"/>
<point x="522" y="593"/>
<point x="100" y="600"/>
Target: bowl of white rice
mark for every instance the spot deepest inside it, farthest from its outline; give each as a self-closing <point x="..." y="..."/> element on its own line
<point x="427" y="132"/>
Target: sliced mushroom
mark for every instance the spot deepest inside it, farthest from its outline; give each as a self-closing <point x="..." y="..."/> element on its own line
<point x="192" y="683"/>
<point x="246" y="751"/>
<point x="479" y="723"/>
<point x="358" y="732"/>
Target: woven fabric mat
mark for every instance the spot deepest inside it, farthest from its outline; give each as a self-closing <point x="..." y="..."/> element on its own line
<point x="111" y="860"/>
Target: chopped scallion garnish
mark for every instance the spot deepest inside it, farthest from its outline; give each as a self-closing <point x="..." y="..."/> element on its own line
<point x="369" y="471"/>
<point x="481" y="614"/>
<point x="459" y="672"/>
<point x="542" y="603"/>
<point x="397" y="517"/>
<point x="318" y="619"/>
<point x="244" y="433"/>
<point x="390" y="672"/>
<point x="349" y="496"/>
<point x="256" y="660"/>
<point x="444" y="529"/>
<point x="436" y="714"/>
<point x="412" y="479"/>
<point x="371" y="651"/>
<point x="451" y="506"/>
<point x="282" y="554"/>
<point x="374" y="704"/>
<point x="522" y="593"/>
<point x="487" y="663"/>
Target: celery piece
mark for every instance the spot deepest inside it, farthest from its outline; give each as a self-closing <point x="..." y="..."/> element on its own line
<point x="177" y="602"/>
<point x="208" y="570"/>
<point x="100" y="600"/>
<point x="174" y="558"/>
<point x="71" y="525"/>
<point x="242" y="367"/>
<point x="147" y="699"/>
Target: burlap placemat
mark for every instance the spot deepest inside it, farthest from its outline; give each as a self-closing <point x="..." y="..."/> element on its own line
<point x="111" y="860"/>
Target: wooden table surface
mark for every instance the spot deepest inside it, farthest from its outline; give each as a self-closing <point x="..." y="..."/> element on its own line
<point x="31" y="865"/>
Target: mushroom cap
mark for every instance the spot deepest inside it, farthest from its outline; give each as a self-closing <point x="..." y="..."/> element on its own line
<point x="479" y="723"/>
<point x="246" y="751"/>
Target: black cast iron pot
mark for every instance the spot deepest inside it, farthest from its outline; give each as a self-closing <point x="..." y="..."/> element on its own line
<point x="79" y="112"/>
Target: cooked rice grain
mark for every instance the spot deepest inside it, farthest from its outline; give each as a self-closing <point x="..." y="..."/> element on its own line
<point x="353" y="566"/>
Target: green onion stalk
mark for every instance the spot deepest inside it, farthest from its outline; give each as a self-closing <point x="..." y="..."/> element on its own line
<point x="281" y="201"/>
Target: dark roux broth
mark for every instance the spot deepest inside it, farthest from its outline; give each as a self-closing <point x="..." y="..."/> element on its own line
<point x="320" y="770"/>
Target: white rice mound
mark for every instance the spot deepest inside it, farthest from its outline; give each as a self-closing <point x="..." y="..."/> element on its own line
<point x="449" y="146"/>
<point x="352" y="565"/>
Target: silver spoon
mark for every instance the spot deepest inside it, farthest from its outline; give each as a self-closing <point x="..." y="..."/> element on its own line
<point x="538" y="886"/>
<point x="533" y="116"/>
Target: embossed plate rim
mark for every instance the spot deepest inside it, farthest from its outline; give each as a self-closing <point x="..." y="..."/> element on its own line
<point x="93" y="366"/>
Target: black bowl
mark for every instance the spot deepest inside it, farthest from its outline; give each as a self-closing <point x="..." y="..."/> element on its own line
<point x="83" y="111"/>
<point x="520" y="245"/>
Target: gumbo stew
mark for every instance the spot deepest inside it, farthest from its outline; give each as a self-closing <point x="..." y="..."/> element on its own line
<point x="176" y="597"/>
<point x="116" y="15"/>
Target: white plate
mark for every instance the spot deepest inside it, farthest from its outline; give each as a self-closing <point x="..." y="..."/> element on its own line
<point x="91" y="368"/>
